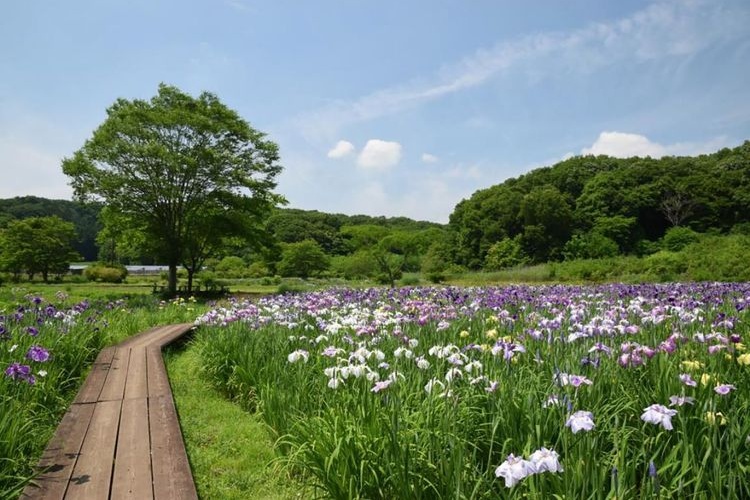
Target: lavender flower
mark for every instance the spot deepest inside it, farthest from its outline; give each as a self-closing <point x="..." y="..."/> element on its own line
<point x="545" y="460"/>
<point x="21" y="373"/>
<point x="580" y="421"/>
<point x="659" y="415"/>
<point x="514" y="469"/>
<point x="680" y="400"/>
<point x="686" y="379"/>
<point x="37" y="353"/>
<point x="724" y="389"/>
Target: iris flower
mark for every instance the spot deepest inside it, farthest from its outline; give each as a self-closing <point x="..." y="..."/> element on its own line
<point x="724" y="389"/>
<point x="659" y="415"/>
<point x="545" y="460"/>
<point x="580" y="421"/>
<point x="514" y="469"/>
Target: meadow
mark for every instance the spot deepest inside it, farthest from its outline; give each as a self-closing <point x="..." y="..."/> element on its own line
<point x="612" y="391"/>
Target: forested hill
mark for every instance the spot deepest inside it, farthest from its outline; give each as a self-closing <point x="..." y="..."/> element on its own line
<point x="83" y="217"/>
<point x="333" y="232"/>
<point x="591" y="206"/>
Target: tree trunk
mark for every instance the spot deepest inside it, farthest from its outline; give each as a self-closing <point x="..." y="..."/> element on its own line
<point x="190" y="273"/>
<point x="172" y="283"/>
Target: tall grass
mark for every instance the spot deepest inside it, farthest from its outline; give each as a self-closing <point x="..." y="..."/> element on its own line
<point x="368" y="438"/>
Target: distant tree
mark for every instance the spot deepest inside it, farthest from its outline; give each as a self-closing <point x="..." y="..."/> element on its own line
<point x="302" y="259"/>
<point x="173" y="166"/>
<point x="38" y="245"/>
<point x="592" y="245"/>
<point x="365" y="236"/>
<point x="676" y="208"/>
<point x="548" y="223"/>
<point x="505" y="253"/>
<point x="437" y="259"/>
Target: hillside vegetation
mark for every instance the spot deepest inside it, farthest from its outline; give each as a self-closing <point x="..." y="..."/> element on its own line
<point x="598" y="206"/>
<point x="587" y="218"/>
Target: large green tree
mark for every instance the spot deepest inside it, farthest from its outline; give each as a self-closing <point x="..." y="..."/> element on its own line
<point x="38" y="245"/>
<point x="173" y="167"/>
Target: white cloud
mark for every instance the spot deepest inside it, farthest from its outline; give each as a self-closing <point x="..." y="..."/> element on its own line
<point x="341" y="150"/>
<point x="379" y="155"/>
<point x="429" y="158"/>
<point x="626" y="145"/>
<point x="661" y="30"/>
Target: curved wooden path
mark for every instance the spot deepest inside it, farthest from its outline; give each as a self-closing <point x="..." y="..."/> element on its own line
<point x="120" y="439"/>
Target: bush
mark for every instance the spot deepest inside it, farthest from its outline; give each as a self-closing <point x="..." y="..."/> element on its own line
<point x="106" y="274"/>
<point x="591" y="245"/>
<point x="677" y="238"/>
<point x="231" y="267"/>
<point x="258" y="270"/>
<point x="303" y="259"/>
<point x="358" y="265"/>
<point x="504" y="254"/>
<point x="409" y="280"/>
<point x="665" y="265"/>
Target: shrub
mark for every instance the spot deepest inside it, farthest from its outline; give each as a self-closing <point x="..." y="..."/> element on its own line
<point x="591" y="245"/>
<point x="504" y="254"/>
<point x="665" y="265"/>
<point x="358" y="265"/>
<point x="303" y="259"/>
<point x="258" y="270"/>
<point x="106" y="273"/>
<point x="677" y="238"/>
<point x="231" y="267"/>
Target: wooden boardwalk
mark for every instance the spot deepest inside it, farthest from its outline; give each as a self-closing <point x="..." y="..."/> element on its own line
<point x="120" y="439"/>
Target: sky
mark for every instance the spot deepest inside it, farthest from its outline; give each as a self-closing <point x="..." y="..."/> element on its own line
<point x="387" y="107"/>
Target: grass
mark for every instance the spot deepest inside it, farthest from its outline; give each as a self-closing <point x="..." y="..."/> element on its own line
<point x="230" y="451"/>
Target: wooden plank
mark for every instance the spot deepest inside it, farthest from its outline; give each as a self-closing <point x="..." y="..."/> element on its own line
<point x="59" y="458"/>
<point x="172" y="476"/>
<point x="158" y="381"/>
<point x="173" y="334"/>
<point x="92" y="386"/>
<point x="132" y="473"/>
<point x="92" y="475"/>
<point x="114" y="386"/>
<point x="139" y="338"/>
<point x="135" y="382"/>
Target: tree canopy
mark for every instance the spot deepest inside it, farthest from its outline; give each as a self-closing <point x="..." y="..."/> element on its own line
<point x="37" y="245"/>
<point x="185" y="172"/>
<point x="584" y="205"/>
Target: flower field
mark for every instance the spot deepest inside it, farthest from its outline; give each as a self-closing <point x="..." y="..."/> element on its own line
<point x="517" y="392"/>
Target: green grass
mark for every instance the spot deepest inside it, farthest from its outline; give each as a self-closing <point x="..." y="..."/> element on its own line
<point x="230" y="451"/>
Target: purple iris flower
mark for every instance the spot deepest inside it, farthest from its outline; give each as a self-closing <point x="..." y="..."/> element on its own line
<point x="20" y="372"/>
<point x="37" y="353"/>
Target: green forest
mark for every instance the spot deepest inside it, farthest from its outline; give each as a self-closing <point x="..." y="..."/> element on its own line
<point x="583" y="209"/>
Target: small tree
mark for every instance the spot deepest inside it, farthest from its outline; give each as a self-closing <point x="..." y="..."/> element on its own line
<point x="505" y="253"/>
<point x="42" y="245"/>
<point x="302" y="259"/>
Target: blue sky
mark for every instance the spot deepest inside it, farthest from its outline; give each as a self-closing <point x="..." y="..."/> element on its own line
<point x="388" y="107"/>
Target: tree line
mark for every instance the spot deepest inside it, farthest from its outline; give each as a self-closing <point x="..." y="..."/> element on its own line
<point x="598" y="206"/>
<point x="185" y="181"/>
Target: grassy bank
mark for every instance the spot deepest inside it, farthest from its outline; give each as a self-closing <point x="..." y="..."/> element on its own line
<point x="230" y="451"/>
